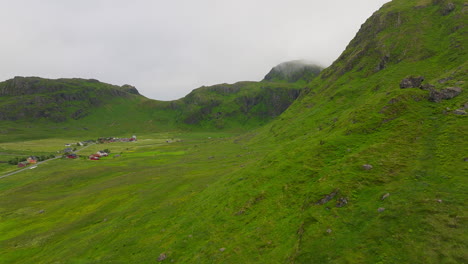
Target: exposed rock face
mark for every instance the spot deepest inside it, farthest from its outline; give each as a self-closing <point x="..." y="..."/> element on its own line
<point x="246" y="99"/>
<point x="444" y="94"/>
<point x="383" y="63"/>
<point x="411" y="82"/>
<point x="293" y="71"/>
<point x="130" y="89"/>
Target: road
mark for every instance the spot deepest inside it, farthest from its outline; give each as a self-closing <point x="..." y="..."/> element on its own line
<point x="41" y="162"/>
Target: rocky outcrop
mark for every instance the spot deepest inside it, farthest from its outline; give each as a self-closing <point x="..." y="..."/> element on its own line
<point x="342" y="201"/>
<point x="444" y="94"/>
<point x="327" y="197"/>
<point x="412" y="82"/>
<point x="130" y="89"/>
<point x="447" y="8"/>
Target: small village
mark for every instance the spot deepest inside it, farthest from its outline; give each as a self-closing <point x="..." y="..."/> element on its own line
<point x="70" y="152"/>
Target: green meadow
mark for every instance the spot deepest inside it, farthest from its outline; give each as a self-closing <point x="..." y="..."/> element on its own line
<point x="141" y="191"/>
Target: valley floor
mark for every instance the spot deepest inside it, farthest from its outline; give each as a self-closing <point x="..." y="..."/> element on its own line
<point x="114" y="210"/>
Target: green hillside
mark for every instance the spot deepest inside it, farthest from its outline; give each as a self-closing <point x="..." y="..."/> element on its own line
<point x="32" y="107"/>
<point x="368" y="165"/>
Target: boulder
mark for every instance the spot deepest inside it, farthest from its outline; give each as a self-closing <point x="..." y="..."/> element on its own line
<point x="411" y="82"/>
<point x="460" y="112"/>
<point x="162" y="257"/>
<point x="367" y="167"/>
<point x="342" y="202"/>
<point x="380" y="209"/>
<point x="444" y="94"/>
<point x="385" y="196"/>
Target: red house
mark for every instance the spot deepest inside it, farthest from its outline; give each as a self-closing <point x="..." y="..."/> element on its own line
<point x="94" y="157"/>
<point x="72" y="156"/>
<point x="32" y="160"/>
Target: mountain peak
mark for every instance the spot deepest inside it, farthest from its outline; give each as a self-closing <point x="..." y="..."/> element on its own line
<point x="293" y="71"/>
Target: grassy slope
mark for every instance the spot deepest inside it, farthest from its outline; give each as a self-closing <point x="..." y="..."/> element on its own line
<point x="255" y="195"/>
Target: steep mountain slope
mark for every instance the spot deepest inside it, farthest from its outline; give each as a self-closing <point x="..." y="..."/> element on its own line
<point x="236" y="105"/>
<point x="359" y="170"/>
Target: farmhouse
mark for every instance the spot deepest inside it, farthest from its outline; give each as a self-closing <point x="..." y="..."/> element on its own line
<point x="102" y="153"/>
<point x="94" y="157"/>
<point x="67" y="150"/>
<point x="23" y="164"/>
<point x="72" y="156"/>
<point x="32" y="160"/>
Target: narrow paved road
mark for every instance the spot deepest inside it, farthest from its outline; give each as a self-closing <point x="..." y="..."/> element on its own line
<point x="41" y="162"/>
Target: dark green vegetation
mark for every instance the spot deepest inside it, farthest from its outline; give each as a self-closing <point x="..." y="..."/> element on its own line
<point x="292" y="191"/>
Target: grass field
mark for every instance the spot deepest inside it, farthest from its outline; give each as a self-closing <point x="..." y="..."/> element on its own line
<point x="138" y="193"/>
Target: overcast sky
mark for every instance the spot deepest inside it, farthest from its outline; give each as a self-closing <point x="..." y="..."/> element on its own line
<point x="168" y="48"/>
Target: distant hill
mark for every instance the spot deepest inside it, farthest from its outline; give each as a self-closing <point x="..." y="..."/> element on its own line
<point x="293" y="71"/>
<point x="87" y="106"/>
<point x="32" y="98"/>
